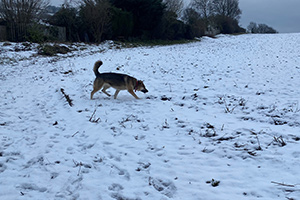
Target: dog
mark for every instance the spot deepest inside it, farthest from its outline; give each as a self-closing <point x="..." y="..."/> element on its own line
<point x="116" y="81"/>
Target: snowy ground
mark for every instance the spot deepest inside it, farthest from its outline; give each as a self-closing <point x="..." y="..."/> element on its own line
<point x="221" y="121"/>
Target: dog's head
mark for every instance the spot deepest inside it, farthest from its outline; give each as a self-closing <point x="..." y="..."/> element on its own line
<point x="141" y="87"/>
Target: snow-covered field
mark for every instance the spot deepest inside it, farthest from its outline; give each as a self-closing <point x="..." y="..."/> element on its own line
<point x="221" y="120"/>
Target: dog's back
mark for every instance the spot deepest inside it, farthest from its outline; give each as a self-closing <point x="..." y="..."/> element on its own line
<point x="115" y="80"/>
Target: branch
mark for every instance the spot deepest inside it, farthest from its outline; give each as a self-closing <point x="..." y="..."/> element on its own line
<point x="69" y="100"/>
<point x="282" y="184"/>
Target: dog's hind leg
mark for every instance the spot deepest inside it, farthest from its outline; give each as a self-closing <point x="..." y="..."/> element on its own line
<point x="93" y="92"/>
<point x="116" y="94"/>
<point x="97" y="86"/>
<point x="104" y="90"/>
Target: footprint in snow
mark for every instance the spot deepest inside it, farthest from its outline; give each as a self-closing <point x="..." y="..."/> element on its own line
<point x="31" y="186"/>
<point x="121" y="172"/>
<point x="115" y="187"/>
<point x="165" y="187"/>
<point x="2" y="167"/>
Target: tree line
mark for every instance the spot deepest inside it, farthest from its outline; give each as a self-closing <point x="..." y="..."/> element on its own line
<point x="260" y="28"/>
<point x="98" y="20"/>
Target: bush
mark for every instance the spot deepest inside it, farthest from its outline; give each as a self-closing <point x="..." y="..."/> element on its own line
<point x="260" y="28"/>
<point x="67" y="17"/>
<point x="195" y="25"/>
<point x="49" y="50"/>
<point x="227" y="25"/>
<point x="146" y="15"/>
<point x="38" y="33"/>
<point x="121" y="24"/>
<point x="35" y="34"/>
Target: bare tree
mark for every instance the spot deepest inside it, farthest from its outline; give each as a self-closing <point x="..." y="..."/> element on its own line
<point x="21" y="11"/>
<point x="227" y="8"/>
<point x="96" y="16"/>
<point x="174" y="6"/>
<point x="260" y="28"/>
<point x="252" y="27"/>
<point x="219" y="15"/>
<point x="263" y="28"/>
<point x="19" y="14"/>
<point x="204" y="7"/>
<point x="196" y="24"/>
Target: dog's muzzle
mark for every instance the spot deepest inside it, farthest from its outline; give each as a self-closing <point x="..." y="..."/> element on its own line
<point x="144" y="90"/>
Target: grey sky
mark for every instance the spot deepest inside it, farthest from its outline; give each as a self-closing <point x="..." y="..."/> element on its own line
<point x="282" y="15"/>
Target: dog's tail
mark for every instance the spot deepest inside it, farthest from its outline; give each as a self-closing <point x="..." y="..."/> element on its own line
<point x="96" y="67"/>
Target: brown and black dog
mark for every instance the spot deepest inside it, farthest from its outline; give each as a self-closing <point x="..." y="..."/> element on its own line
<point x="117" y="81"/>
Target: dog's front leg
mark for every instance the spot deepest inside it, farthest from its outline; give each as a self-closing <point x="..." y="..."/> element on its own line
<point x="133" y="94"/>
<point x="116" y="94"/>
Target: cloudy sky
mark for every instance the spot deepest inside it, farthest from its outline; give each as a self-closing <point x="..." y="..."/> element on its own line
<point x="282" y="15"/>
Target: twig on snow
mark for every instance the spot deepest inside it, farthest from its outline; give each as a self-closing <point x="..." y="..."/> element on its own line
<point x="93" y="118"/>
<point x="69" y="100"/>
<point x="227" y="109"/>
<point x="283" y="184"/>
<point x="280" y="141"/>
<point x="78" y="164"/>
<point x="259" y="147"/>
<point x="75" y="133"/>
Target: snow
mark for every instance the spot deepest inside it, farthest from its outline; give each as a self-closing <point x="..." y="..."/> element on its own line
<point x="221" y="120"/>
